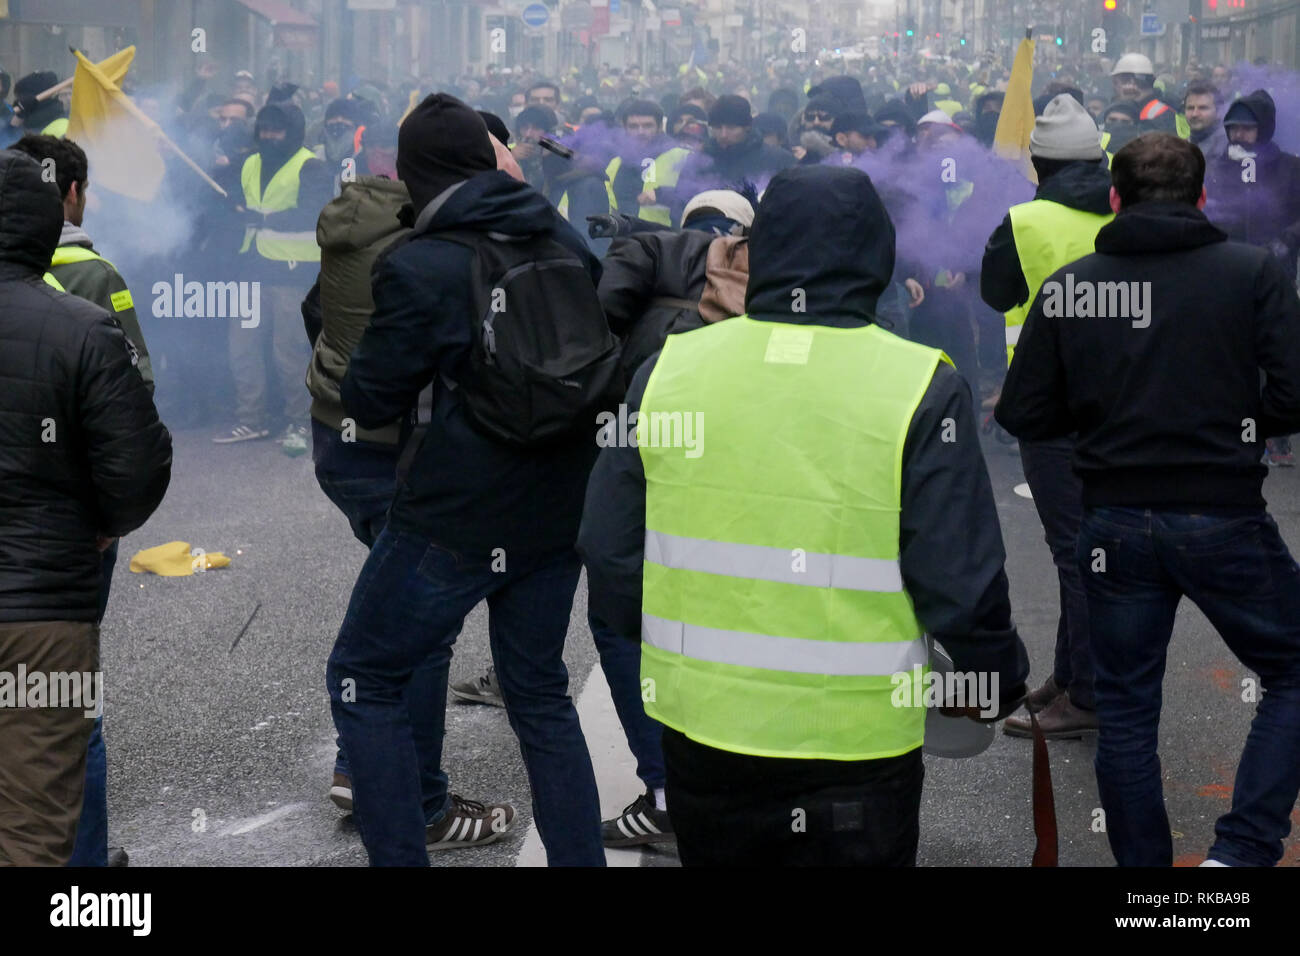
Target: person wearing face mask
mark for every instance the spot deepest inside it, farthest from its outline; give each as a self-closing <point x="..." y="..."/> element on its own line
<point x="46" y="117"/>
<point x="1119" y="127"/>
<point x="339" y="136"/>
<point x="988" y="110"/>
<point x="283" y="186"/>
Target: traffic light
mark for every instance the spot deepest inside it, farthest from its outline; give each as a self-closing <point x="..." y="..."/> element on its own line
<point x="910" y="32"/>
<point x="963" y="41"/>
<point x="1060" y="41"/>
<point x="1111" y="4"/>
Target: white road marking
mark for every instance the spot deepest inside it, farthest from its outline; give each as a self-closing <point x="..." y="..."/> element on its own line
<point x="614" y="764"/>
<point x="240" y="827"/>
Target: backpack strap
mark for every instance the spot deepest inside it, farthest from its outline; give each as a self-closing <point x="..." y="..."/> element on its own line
<point x="423" y="416"/>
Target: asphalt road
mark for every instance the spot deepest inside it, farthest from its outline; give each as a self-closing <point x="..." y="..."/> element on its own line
<point x="220" y="753"/>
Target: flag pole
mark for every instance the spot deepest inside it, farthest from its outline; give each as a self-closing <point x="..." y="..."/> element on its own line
<point x="164" y="138"/>
<point x="55" y="90"/>
<point x="192" y="164"/>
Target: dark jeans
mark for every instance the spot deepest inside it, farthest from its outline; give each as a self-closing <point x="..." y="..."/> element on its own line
<point x="407" y="608"/>
<point x="1237" y="570"/>
<point x="731" y="809"/>
<point x="91" y="848"/>
<point x="1058" y="496"/>
<point x="360" y="478"/>
<point x="620" y="659"/>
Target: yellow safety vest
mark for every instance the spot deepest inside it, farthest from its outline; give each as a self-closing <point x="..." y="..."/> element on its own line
<point x="57" y="128"/>
<point x="281" y="194"/>
<point x="774" y="620"/>
<point x="1048" y="235"/>
<point x="53" y="282"/>
<point x="663" y="172"/>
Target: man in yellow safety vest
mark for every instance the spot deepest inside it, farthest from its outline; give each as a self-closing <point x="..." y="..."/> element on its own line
<point x="783" y="579"/>
<point x="283" y="187"/>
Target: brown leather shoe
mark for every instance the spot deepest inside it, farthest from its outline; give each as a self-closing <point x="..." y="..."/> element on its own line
<point x="1040" y="698"/>
<point x="1059" y="720"/>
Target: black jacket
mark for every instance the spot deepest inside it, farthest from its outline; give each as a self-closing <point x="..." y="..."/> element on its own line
<point x="1266" y="210"/>
<point x="82" y="452"/>
<point x="829" y="235"/>
<point x="1165" y="398"/>
<point x="730" y="167"/>
<point x="643" y="269"/>
<point x="1084" y="186"/>
<point x="465" y="492"/>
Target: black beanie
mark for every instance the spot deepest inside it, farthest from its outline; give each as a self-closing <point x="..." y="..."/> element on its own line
<point x="442" y="142"/>
<point x="34" y="83"/>
<point x="731" y="110"/>
<point x="496" y="126"/>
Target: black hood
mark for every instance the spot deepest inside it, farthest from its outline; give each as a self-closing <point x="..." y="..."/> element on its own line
<point x="492" y="201"/>
<point x="824" y="230"/>
<point x="1082" y="185"/>
<point x="1262" y="110"/>
<point x="284" y="116"/>
<point x="1157" y="227"/>
<point x="31" y="215"/>
<point x="898" y="112"/>
<point x="846" y="89"/>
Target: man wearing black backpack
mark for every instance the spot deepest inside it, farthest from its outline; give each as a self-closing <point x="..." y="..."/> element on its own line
<point x="486" y="319"/>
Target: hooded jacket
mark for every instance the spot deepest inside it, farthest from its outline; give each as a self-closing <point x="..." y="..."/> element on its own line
<point x="1164" y="392"/>
<point x="823" y="230"/>
<point x="315" y="189"/>
<point x="1082" y="185"/>
<point x="1265" y="210"/>
<point x="98" y="281"/>
<point x="464" y="491"/>
<point x="82" y="452"/>
<point x="352" y="231"/>
<point x="846" y="89"/>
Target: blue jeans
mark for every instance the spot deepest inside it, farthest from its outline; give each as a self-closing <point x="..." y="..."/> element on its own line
<point x="360" y="478"/>
<point x="91" y="848"/>
<point x="407" y="608"/>
<point x="620" y="659"/>
<point x="1237" y="570"/>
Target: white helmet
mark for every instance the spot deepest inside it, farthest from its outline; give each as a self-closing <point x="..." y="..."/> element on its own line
<point x="1133" y="63"/>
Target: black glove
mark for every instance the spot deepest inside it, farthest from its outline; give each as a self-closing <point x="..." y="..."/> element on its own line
<point x="603" y="227"/>
<point x="1008" y="705"/>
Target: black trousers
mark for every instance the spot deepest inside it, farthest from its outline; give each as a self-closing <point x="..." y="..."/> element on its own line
<point x="731" y="809"/>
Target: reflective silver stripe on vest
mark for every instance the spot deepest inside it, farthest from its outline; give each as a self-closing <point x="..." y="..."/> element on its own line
<point x="762" y="563"/>
<point x="766" y="651"/>
<point x="1013" y="334"/>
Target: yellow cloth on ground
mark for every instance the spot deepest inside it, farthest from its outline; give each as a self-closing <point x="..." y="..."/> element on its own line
<point x="176" y="560"/>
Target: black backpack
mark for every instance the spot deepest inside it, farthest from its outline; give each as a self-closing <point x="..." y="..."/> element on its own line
<point x="543" y="362"/>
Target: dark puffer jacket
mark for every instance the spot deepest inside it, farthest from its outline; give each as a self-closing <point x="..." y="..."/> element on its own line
<point x="82" y="452"/>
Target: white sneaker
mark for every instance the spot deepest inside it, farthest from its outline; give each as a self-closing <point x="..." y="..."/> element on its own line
<point x="241" y="433"/>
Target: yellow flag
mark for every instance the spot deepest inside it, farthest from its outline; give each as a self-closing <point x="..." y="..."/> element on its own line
<point x="1016" y="122"/>
<point x="121" y="142"/>
<point x="115" y="66"/>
